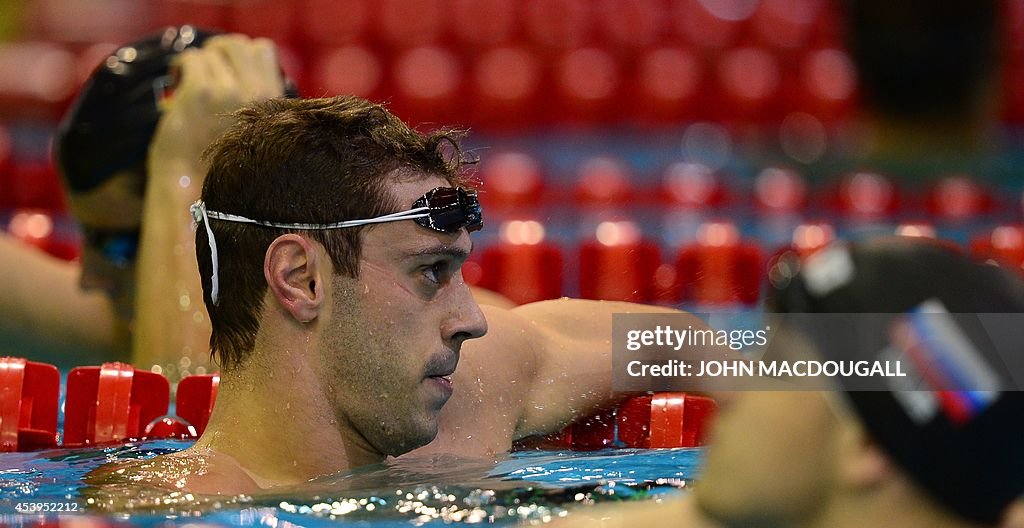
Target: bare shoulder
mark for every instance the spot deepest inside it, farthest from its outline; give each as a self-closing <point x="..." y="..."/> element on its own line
<point x="680" y="512"/>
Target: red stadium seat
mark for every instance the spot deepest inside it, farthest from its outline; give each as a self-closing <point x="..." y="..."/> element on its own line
<point x="587" y="82"/>
<point x="273" y="19"/>
<point x="558" y="23"/>
<point x="959" y="198"/>
<point x="693" y="21"/>
<point x="407" y="23"/>
<point x="603" y="181"/>
<point x="864" y="195"/>
<point x="195" y="399"/>
<point x="483" y="22"/>
<point x="335" y="22"/>
<point x="1003" y="245"/>
<point x="112" y="403"/>
<point x="631" y="23"/>
<point x="75" y="22"/>
<point x="39" y="228"/>
<point x="786" y="23"/>
<point x="720" y="268"/>
<point x="429" y="83"/>
<point x="828" y="85"/>
<point x="668" y="86"/>
<point x="692" y="186"/>
<point x="780" y="190"/>
<point x="36" y="80"/>
<point x="522" y="265"/>
<point x="749" y="82"/>
<point x="37" y="185"/>
<point x="619" y="265"/>
<point x="348" y="70"/>
<point x="29" y="394"/>
<point x="511" y="181"/>
<point x="666" y="419"/>
<point x="507" y="84"/>
<point x="199" y="13"/>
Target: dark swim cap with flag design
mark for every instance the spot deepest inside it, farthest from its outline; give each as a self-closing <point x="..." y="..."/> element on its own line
<point x="961" y="445"/>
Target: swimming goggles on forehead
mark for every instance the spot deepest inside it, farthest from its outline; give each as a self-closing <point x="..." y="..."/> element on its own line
<point x="444" y="209"/>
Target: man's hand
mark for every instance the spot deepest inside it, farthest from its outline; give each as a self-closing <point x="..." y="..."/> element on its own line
<point x="171" y="323"/>
<point x="210" y="83"/>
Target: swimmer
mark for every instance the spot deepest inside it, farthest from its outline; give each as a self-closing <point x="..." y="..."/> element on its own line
<point x="330" y="240"/>
<point x="128" y="151"/>
<point x="852" y="459"/>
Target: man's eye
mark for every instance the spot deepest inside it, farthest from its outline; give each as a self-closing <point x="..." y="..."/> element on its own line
<point x="436" y="273"/>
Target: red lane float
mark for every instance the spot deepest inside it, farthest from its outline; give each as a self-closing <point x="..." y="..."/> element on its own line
<point x="195" y="398"/>
<point x="111" y="403"/>
<point x="29" y="392"/>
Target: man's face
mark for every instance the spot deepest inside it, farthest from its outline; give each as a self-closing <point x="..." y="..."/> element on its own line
<point x="398" y="328"/>
<point x="110" y="216"/>
<point x="772" y="457"/>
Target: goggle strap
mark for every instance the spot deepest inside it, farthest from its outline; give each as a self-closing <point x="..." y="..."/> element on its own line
<point x="199" y="213"/>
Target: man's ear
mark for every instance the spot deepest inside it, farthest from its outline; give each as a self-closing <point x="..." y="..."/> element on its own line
<point x="294" y="272"/>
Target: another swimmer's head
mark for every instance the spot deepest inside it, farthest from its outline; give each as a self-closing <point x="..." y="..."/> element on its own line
<point x="379" y="311"/>
<point x="101" y="147"/>
<point x="857" y="457"/>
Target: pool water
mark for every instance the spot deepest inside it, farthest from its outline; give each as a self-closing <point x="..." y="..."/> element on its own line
<point x="533" y="486"/>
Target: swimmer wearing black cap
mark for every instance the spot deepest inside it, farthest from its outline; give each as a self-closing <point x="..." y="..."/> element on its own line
<point x="128" y="151"/>
<point x="860" y="458"/>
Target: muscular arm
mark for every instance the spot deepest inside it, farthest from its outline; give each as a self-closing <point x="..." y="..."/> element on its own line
<point x="171" y="320"/>
<point x="571" y="349"/>
<point x="47" y="317"/>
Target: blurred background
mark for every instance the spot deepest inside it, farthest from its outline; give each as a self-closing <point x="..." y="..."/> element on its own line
<point x="647" y="150"/>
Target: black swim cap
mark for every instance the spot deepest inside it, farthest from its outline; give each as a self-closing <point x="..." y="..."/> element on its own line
<point x="114" y="116"/>
<point x="974" y="467"/>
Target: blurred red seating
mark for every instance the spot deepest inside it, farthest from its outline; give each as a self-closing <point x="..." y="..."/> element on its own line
<point x="828" y="84"/>
<point x="334" y="22"/>
<point x="483" y="22"/>
<point x="511" y="181"/>
<point x="36" y="80"/>
<point x="195" y="398"/>
<point x="38" y="228"/>
<point x="522" y="265"/>
<point x="199" y="13"/>
<point x="785" y="23"/>
<point x="719" y="268"/>
<point x="959" y="198"/>
<point x="749" y="80"/>
<point x="864" y="195"/>
<point x="29" y="394"/>
<point x="692" y="186"/>
<point x="347" y="70"/>
<point x="36" y="185"/>
<point x="618" y="264"/>
<point x="587" y="82"/>
<point x="273" y="19"/>
<point x="558" y="23"/>
<point x="74" y="21"/>
<point x="631" y="23"/>
<point x="693" y="21"/>
<point x="780" y="190"/>
<point x="603" y="181"/>
<point x="507" y="84"/>
<point x="1003" y="245"/>
<point x="429" y="83"/>
<point x="667" y="86"/>
<point x="407" y="23"/>
<point x="111" y="403"/>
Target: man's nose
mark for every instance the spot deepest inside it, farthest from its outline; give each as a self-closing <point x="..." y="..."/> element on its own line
<point x="466" y="319"/>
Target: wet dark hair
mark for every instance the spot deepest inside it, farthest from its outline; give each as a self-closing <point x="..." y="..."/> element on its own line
<point x="114" y="116"/>
<point x="975" y="469"/>
<point x="310" y="161"/>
